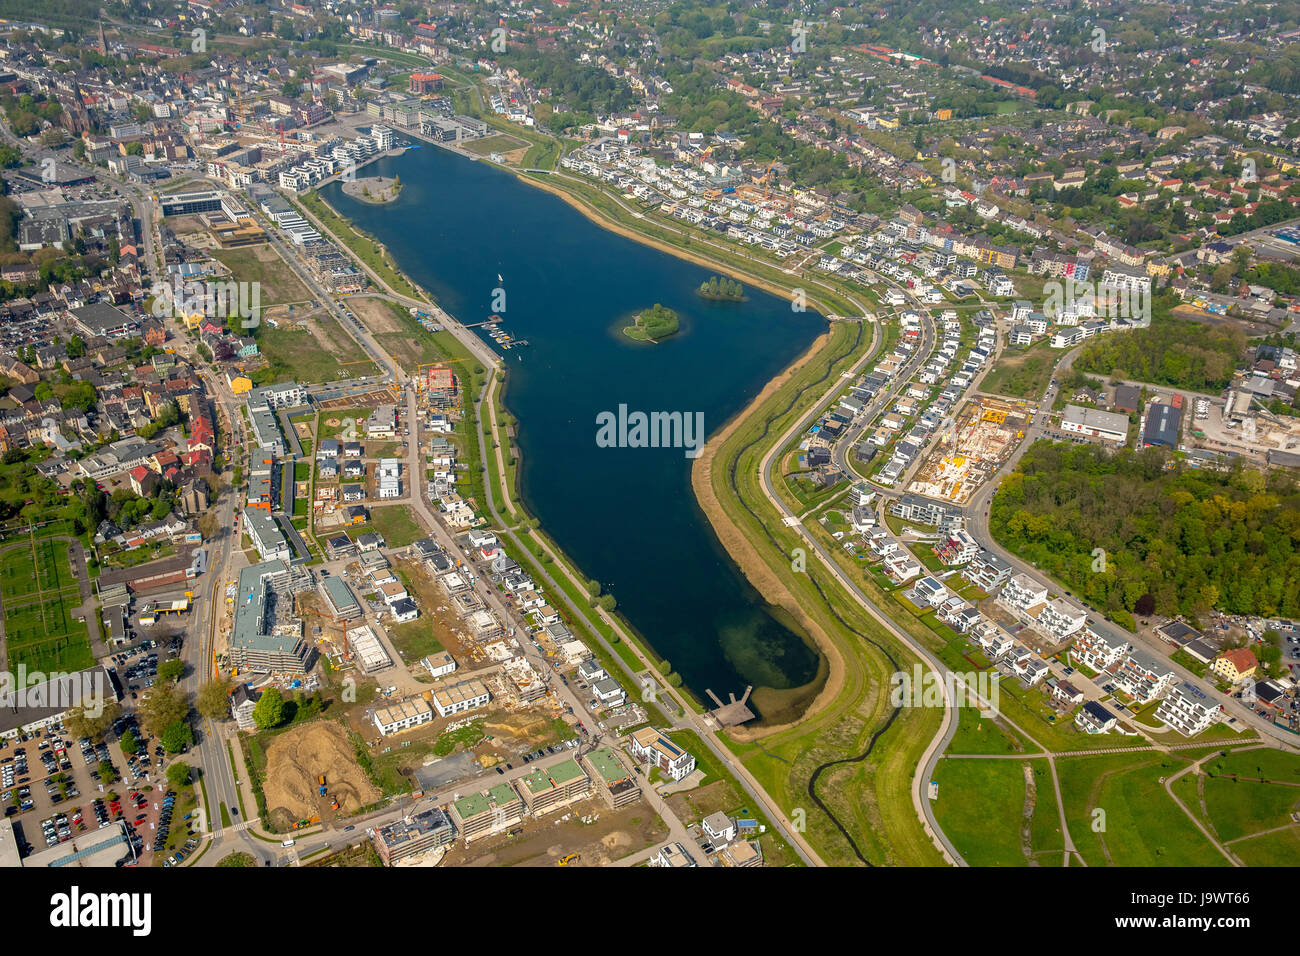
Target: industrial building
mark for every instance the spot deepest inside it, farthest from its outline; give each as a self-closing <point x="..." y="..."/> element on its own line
<point x="1109" y="426"/>
<point x="1163" y="425"/>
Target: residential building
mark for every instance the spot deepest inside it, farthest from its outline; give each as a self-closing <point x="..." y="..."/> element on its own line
<point x="653" y="747"/>
<point x="403" y="715"/>
<point x="458" y="698"/>
<point x="1188" y="710"/>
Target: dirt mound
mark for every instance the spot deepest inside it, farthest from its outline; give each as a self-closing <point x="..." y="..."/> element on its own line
<point x="525" y="727"/>
<point x="297" y="758"/>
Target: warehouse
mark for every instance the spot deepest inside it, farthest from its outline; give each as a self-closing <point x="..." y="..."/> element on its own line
<point x="1095" y="423"/>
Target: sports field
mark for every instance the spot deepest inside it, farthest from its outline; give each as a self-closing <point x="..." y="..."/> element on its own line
<point x="39" y="594"/>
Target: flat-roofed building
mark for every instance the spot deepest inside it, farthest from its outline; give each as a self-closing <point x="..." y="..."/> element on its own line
<point x="367" y="650"/>
<point x="339" y="600"/>
<point x="1109" y="426"/>
<point x="266" y="535"/>
<point x="613" y="781"/>
<point x="550" y="788"/>
<point x="741" y="853"/>
<point x="673" y="856"/>
<point x="97" y="849"/>
<point x="409" y="837"/>
<point x="458" y="698"/>
<point x="653" y="747"/>
<point x="257" y="642"/>
<point x="403" y="715"/>
<point x="440" y="664"/>
<point x="1188" y="710"/>
<point x="482" y="814"/>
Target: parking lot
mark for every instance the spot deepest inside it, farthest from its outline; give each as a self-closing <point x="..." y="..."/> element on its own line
<point x="52" y="786"/>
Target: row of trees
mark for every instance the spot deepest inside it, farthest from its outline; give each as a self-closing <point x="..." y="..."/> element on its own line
<point x="722" y="287"/>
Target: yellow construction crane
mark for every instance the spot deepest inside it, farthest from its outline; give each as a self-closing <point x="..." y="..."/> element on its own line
<point x="766" y="180"/>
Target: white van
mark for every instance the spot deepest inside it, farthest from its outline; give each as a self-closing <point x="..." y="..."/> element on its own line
<point x="288" y="842"/>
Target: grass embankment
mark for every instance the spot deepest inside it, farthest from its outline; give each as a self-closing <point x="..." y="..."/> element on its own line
<point x="363" y="246"/>
<point x="860" y="752"/>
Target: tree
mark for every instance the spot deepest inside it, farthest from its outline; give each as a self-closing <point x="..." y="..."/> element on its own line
<point x="209" y="525"/>
<point x="214" y="699"/>
<point x="107" y="772"/>
<point x="176" y="737"/>
<point x="1145" y="606"/>
<point x="172" y="670"/>
<point x="130" y="744"/>
<point x="80" y="723"/>
<point x="269" y="711"/>
<point x="178" y="774"/>
<point x="606" y="602"/>
<point x="166" y="705"/>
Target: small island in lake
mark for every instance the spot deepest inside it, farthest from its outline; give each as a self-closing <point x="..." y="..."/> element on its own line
<point x="721" y="287"/>
<point x="652" y="325"/>
<point x="374" y="189"/>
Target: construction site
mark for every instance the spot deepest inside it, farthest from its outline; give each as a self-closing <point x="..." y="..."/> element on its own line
<point x="312" y="772"/>
<point x="964" y="456"/>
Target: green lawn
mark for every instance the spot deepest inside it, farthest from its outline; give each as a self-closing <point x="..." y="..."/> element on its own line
<point x="984" y="735"/>
<point x="39" y="594"/>
<point x="1240" y="808"/>
<point x="396" y="524"/>
<point x="1139" y="825"/>
<point x="980" y="807"/>
<point x="1272" y="849"/>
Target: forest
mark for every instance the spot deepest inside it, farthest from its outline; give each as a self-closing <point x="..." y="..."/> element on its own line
<point x="1172" y="351"/>
<point x="1193" y="539"/>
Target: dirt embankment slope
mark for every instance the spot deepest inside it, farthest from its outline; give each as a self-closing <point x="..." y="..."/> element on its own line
<point x="760" y="574"/>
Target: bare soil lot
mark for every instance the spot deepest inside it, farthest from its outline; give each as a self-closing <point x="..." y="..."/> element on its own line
<point x="295" y="760"/>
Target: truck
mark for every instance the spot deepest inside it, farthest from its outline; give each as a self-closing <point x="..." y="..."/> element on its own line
<point x="321" y="781"/>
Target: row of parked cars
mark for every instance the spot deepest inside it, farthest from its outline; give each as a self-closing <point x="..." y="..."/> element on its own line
<point x="13" y="771"/>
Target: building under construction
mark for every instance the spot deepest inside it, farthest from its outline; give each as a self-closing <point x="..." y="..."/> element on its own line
<point x="965" y="454"/>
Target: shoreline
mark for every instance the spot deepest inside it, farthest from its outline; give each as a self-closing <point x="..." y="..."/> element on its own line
<point x="728" y="533"/>
<point x="751" y="563"/>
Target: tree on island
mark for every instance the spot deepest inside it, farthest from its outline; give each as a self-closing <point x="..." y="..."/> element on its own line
<point x="654" y="323"/>
<point x="722" y="287"/>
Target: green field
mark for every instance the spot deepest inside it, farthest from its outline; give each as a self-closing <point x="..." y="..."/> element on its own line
<point x="1273" y="849"/>
<point x="1139" y="825"/>
<point x="986" y="831"/>
<point x="39" y="594"/>
<point x="1242" y="808"/>
<point x="983" y="735"/>
<point x="263" y="265"/>
<point x="396" y="524"/>
<point x="296" y="355"/>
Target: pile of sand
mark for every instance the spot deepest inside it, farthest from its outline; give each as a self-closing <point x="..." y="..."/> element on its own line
<point x="298" y="757"/>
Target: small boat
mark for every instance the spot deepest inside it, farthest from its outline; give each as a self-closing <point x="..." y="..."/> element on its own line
<point x="499" y="279"/>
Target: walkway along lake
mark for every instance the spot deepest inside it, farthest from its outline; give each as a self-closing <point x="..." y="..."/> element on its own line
<point x="627" y="516"/>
